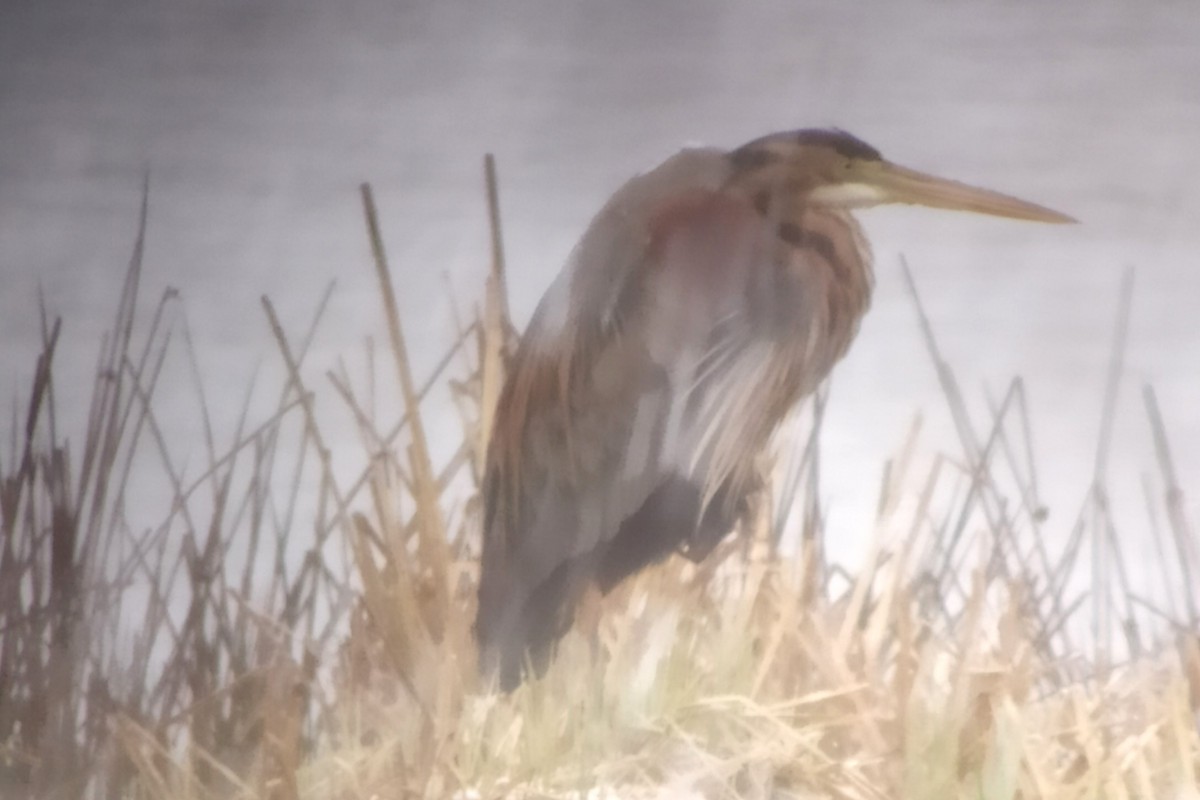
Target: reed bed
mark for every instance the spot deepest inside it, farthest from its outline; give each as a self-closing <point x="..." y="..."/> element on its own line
<point x="269" y="639"/>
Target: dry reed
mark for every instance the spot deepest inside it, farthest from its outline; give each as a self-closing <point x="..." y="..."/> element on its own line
<point x="203" y="659"/>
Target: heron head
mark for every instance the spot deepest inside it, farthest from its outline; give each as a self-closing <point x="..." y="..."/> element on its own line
<point x="829" y="167"/>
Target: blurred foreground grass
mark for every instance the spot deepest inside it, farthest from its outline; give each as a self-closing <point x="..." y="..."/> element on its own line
<point x="243" y="649"/>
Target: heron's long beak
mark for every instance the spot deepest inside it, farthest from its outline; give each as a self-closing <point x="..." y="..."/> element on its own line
<point x="883" y="182"/>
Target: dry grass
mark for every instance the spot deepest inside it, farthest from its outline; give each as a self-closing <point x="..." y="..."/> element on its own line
<point x="242" y="650"/>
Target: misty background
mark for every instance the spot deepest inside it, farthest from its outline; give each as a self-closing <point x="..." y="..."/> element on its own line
<point x="256" y="121"/>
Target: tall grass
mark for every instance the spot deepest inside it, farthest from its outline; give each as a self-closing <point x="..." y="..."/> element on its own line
<point x="251" y="646"/>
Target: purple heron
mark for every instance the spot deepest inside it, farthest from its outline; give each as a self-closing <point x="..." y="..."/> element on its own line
<point x="704" y="301"/>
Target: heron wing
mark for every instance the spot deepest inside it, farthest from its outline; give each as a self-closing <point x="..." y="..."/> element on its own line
<point x="581" y="376"/>
<point x="585" y="469"/>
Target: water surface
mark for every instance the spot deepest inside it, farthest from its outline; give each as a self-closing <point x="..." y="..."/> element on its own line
<point x="258" y="122"/>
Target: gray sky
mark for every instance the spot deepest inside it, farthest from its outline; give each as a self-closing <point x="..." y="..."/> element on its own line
<point x="257" y="122"/>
